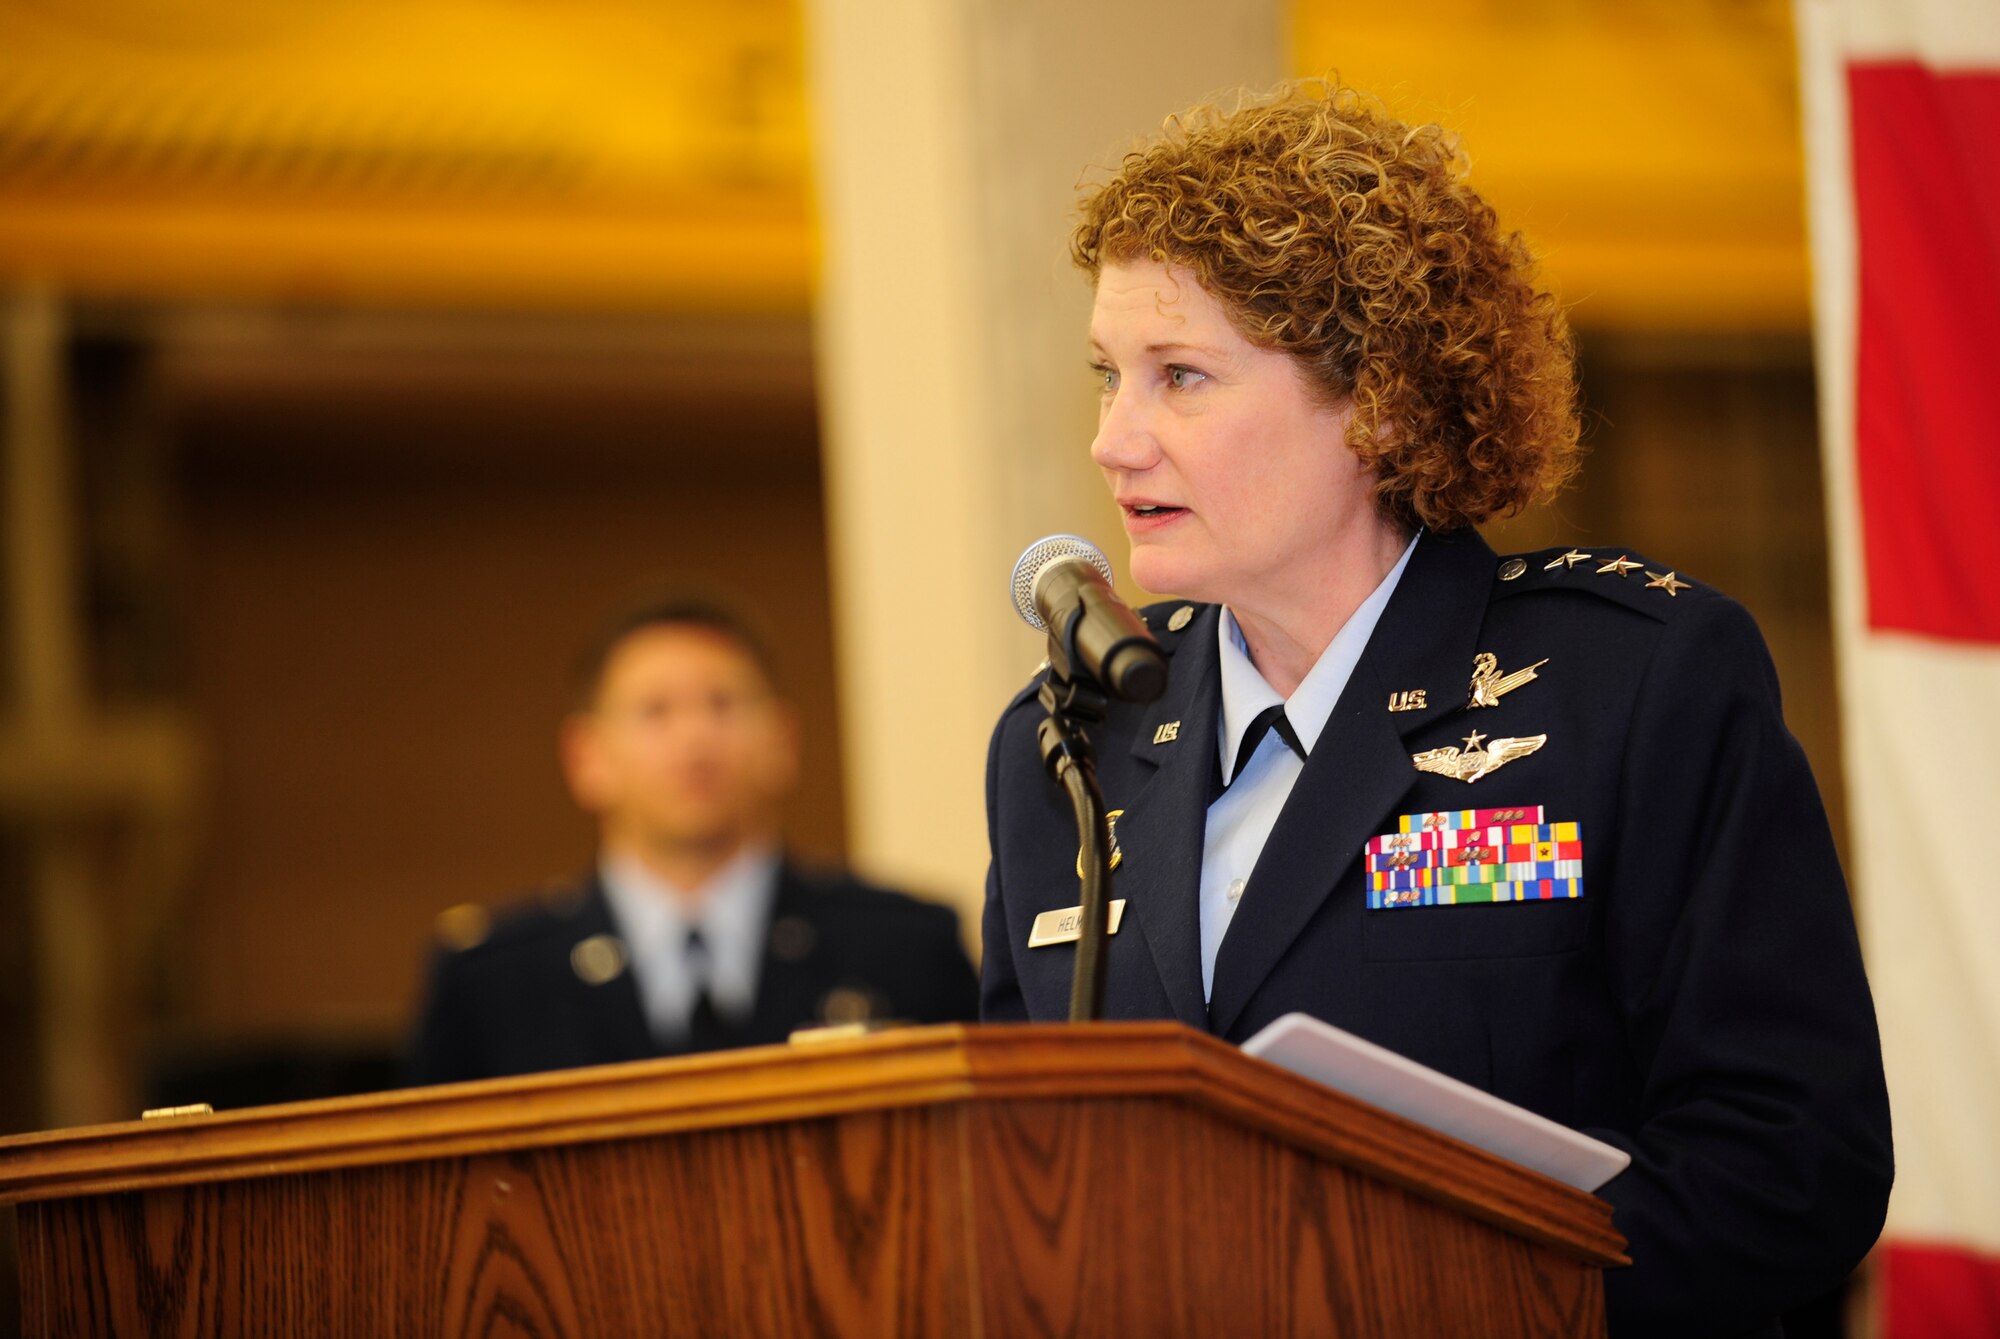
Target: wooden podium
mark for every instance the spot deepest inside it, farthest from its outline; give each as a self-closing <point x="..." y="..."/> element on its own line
<point x="1116" y="1179"/>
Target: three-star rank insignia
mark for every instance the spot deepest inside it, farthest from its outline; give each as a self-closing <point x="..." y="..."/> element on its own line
<point x="1474" y="761"/>
<point x="1489" y="685"/>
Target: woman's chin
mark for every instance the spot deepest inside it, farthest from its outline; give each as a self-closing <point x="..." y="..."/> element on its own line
<point x="1165" y="573"/>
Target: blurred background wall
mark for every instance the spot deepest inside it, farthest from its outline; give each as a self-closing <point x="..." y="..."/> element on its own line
<point x="358" y="355"/>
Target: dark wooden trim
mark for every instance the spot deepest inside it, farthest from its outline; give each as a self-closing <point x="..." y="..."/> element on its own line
<point x="912" y="1068"/>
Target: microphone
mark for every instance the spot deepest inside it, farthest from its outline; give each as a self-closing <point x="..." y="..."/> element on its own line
<point x="1063" y="584"/>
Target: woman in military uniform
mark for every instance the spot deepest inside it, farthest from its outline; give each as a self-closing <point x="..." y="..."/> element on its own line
<point x="1534" y="821"/>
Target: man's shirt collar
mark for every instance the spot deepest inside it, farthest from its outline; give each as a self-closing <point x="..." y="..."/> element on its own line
<point x="732" y="911"/>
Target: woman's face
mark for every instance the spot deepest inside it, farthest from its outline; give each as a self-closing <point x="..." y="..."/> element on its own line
<point x="1234" y="477"/>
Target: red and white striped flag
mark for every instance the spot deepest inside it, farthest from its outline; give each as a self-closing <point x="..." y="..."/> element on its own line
<point x="1902" y="116"/>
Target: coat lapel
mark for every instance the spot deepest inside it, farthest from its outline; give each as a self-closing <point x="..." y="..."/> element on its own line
<point x="792" y="976"/>
<point x="1361" y="766"/>
<point x="1160" y="832"/>
<point x="613" y="1008"/>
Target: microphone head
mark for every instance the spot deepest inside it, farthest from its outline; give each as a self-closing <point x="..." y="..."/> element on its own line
<point x="1038" y="557"/>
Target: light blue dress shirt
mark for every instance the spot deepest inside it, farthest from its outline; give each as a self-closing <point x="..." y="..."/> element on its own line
<point x="1241" y="819"/>
<point x="732" y="911"/>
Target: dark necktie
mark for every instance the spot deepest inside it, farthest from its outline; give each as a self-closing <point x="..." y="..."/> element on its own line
<point x="1272" y="717"/>
<point x="708" y="1030"/>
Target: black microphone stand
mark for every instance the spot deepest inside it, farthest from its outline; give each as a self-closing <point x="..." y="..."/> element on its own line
<point x="1074" y="703"/>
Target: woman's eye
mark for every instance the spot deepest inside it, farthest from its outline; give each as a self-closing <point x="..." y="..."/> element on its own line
<point x="1107" y="380"/>
<point x="1180" y="378"/>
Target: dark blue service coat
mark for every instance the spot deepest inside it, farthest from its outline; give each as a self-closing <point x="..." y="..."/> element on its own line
<point x="1701" y="1004"/>
<point x="526" y="998"/>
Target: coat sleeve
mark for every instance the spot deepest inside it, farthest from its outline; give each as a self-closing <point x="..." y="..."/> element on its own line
<point x="445" y="1046"/>
<point x="1000" y="999"/>
<point x="953" y="993"/>
<point x="1761" y="1166"/>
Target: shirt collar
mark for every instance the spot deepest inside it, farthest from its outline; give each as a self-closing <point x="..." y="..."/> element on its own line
<point x="731" y="911"/>
<point x="1245" y="692"/>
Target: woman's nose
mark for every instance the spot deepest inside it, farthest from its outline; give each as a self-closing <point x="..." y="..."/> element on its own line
<point x="1124" y="440"/>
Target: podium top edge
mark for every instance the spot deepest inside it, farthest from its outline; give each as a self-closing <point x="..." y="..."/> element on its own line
<point x="911" y="1067"/>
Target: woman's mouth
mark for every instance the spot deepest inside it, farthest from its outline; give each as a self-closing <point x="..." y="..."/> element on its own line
<point x="1150" y="515"/>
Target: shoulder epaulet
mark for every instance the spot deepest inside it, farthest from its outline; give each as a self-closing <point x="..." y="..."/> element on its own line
<point x="1619" y="575"/>
<point x="1167" y="619"/>
<point x="463" y="926"/>
<point x="469" y="925"/>
<point x="1028" y="690"/>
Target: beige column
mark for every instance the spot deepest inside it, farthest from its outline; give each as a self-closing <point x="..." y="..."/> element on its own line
<point x="100" y="794"/>
<point x="950" y="139"/>
<point x="80" y="1065"/>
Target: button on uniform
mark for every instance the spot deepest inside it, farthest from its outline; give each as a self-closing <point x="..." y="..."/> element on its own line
<point x="1236" y="890"/>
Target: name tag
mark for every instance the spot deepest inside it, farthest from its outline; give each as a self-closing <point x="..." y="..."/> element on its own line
<point x="1066" y="926"/>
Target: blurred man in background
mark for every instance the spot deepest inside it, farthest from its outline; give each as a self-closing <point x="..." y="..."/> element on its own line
<point x="693" y="932"/>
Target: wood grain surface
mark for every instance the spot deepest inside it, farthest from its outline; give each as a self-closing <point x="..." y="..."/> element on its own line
<point x="842" y="1226"/>
<point x="1002" y="1181"/>
<point x="1120" y="1218"/>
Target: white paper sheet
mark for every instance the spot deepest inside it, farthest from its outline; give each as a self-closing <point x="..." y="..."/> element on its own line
<point x="1376" y="1075"/>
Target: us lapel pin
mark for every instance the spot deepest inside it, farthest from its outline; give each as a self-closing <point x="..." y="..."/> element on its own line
<point x="598" y="959"/>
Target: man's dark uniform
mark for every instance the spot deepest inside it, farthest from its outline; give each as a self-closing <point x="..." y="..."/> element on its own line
<point x="1701" y="1004"/>
<point x="550" y="986"/>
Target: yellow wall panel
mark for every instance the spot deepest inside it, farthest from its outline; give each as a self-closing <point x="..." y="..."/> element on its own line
<point x="621" y="153"/>
<point x="1650" y="149"/>
<point x="583" y="154"/>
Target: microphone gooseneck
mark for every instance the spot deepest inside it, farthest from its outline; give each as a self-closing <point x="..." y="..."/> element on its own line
<point x="1098" y="648"/>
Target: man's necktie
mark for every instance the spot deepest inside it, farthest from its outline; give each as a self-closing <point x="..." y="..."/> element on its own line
<point x="708" y="1030"/>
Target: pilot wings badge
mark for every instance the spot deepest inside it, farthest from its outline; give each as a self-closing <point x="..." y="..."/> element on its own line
<point x="1473" y="761"/>
<point x="1489" y="685"/>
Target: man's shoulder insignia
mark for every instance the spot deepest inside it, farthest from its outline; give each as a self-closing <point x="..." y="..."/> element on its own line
<point x="462" y="927"/>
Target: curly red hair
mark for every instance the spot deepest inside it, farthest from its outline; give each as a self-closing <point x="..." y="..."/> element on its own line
<point x="1337" y="234"/>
